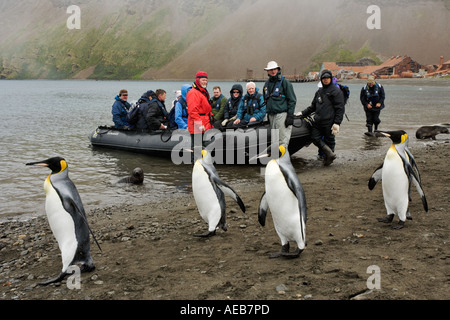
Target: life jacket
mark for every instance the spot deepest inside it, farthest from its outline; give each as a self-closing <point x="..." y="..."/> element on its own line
<point x="163" y="108"/>
<point x="254" y="105"/>
<point x="217" y="106"/>
<point x="277" y="90"/>
<point x="375" y="93"/>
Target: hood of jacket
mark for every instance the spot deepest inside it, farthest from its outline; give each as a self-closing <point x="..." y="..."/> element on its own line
<point x="237" y="87"/>
<point x="184" y="90"/>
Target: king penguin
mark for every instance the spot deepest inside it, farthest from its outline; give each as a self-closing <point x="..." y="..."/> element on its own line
<point x="209" y="194"/>
<point x="397" y="172"/>
<point x="285" y="197"/>
<point x="67" y="218"/>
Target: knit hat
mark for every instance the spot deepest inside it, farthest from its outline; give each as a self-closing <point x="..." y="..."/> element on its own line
<point x="201" y="74"/>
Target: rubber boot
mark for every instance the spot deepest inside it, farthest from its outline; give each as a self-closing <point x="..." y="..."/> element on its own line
<point x="329" y="155"/>
<point x="369" y="128"/>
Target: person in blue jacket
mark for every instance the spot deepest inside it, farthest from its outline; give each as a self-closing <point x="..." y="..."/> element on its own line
<point x="181" y="110"/>
<point x="253" y="110"/>
<point x="120" y="110"/>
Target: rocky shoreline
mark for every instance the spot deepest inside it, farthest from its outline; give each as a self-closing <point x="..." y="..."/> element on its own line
<point x="149" y="252"/>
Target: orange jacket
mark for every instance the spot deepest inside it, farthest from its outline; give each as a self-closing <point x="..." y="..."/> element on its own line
<point x="200" y="112"/>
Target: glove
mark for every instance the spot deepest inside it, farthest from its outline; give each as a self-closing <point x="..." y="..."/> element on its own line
<point x="224" y="122"/>
<point x="201" y="128"/>
<point x="233" y="118"/>
<point x="335" y="129"/>
<point x="289" y="120"/>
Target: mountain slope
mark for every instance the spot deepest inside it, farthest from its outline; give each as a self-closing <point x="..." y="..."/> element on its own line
<point x="172" y="39"/>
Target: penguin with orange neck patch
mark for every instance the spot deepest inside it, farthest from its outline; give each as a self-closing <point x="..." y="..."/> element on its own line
<point x="398" y="171"/>
<point x="67" y="218"/>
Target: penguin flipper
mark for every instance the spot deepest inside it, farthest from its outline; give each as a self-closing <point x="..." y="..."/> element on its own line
<point x="413" y="163"/>
<point x="226" y="189"/>
<point x="82" y="213"/>
<point x="57" y="279"/>
<point x="413" y="177"/>
<point x="376" y="176"/>
<point x="416" y="182"/>
<point x="262" y="210"/>
<point x="67" y="192"/>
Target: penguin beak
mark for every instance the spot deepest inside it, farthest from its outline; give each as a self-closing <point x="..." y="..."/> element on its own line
<point x="40" y="164"/>
<point x="384" y="134"/>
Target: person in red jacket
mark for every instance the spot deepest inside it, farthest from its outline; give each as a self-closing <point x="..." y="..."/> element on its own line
<point x="200" y="117"/>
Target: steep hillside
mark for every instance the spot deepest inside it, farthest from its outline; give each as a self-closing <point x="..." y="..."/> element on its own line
<point x="172" y="39"/>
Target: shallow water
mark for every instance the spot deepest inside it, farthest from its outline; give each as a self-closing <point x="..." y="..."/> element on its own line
<point x="42" y="119"/>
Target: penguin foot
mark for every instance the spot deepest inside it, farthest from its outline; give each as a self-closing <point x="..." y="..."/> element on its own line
<point x="284" y="251"/>
<point x="206" y="234"/>
<point x="399" y="226"/>
<point x="387" y="219"/>
<point x="59" y="278"/>
<point x="292" y="255"/>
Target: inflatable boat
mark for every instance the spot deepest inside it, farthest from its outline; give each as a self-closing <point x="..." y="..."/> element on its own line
<point x="229" y="146"/>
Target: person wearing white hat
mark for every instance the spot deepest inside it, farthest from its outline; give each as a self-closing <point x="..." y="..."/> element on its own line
<point x="280" y="100"/>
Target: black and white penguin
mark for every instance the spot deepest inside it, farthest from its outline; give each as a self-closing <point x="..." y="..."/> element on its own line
<point x="67" y="218"/>
<point x="398" y="171"/>
<point x="285" y="197"/>
<point x="209" y="194"/>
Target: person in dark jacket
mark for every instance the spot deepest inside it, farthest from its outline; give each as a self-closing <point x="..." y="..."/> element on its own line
<point x="157" y="116"/>
<point x="329" y="108"/>
<point x="280" y="100"/>
<point x="144" y="104"/>
<point x="120" y="110"/>
<point x="372" y="98"/>
<point x="233" y="105"/>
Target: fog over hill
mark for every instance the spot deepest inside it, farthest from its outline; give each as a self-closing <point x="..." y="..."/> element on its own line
<point x="172" y="39"/>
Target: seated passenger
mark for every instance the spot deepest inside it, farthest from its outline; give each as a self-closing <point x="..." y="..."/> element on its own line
<point x="157" y="116"/>
<point x="233" y="105"/>
<point x="218" y="103"/>
<point x="181" y="109"/>
<point x="120" y="110"/>
<point x="144" y="104"/>
<point x="253" y="110"/>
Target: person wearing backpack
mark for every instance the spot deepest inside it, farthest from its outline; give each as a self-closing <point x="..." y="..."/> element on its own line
<point x="329" y="109"/>
<point x="178" y="117"/>
<point x="253" y="110"/>
<point x="120" y="110"/>
<point x="157" y="116"/>
<point x="280" y="100"/>
<point x="372" y="98"/>
<point x="142" y="110"/>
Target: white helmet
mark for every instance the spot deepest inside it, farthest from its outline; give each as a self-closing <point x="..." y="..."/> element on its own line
<point x="272" y="65"/>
